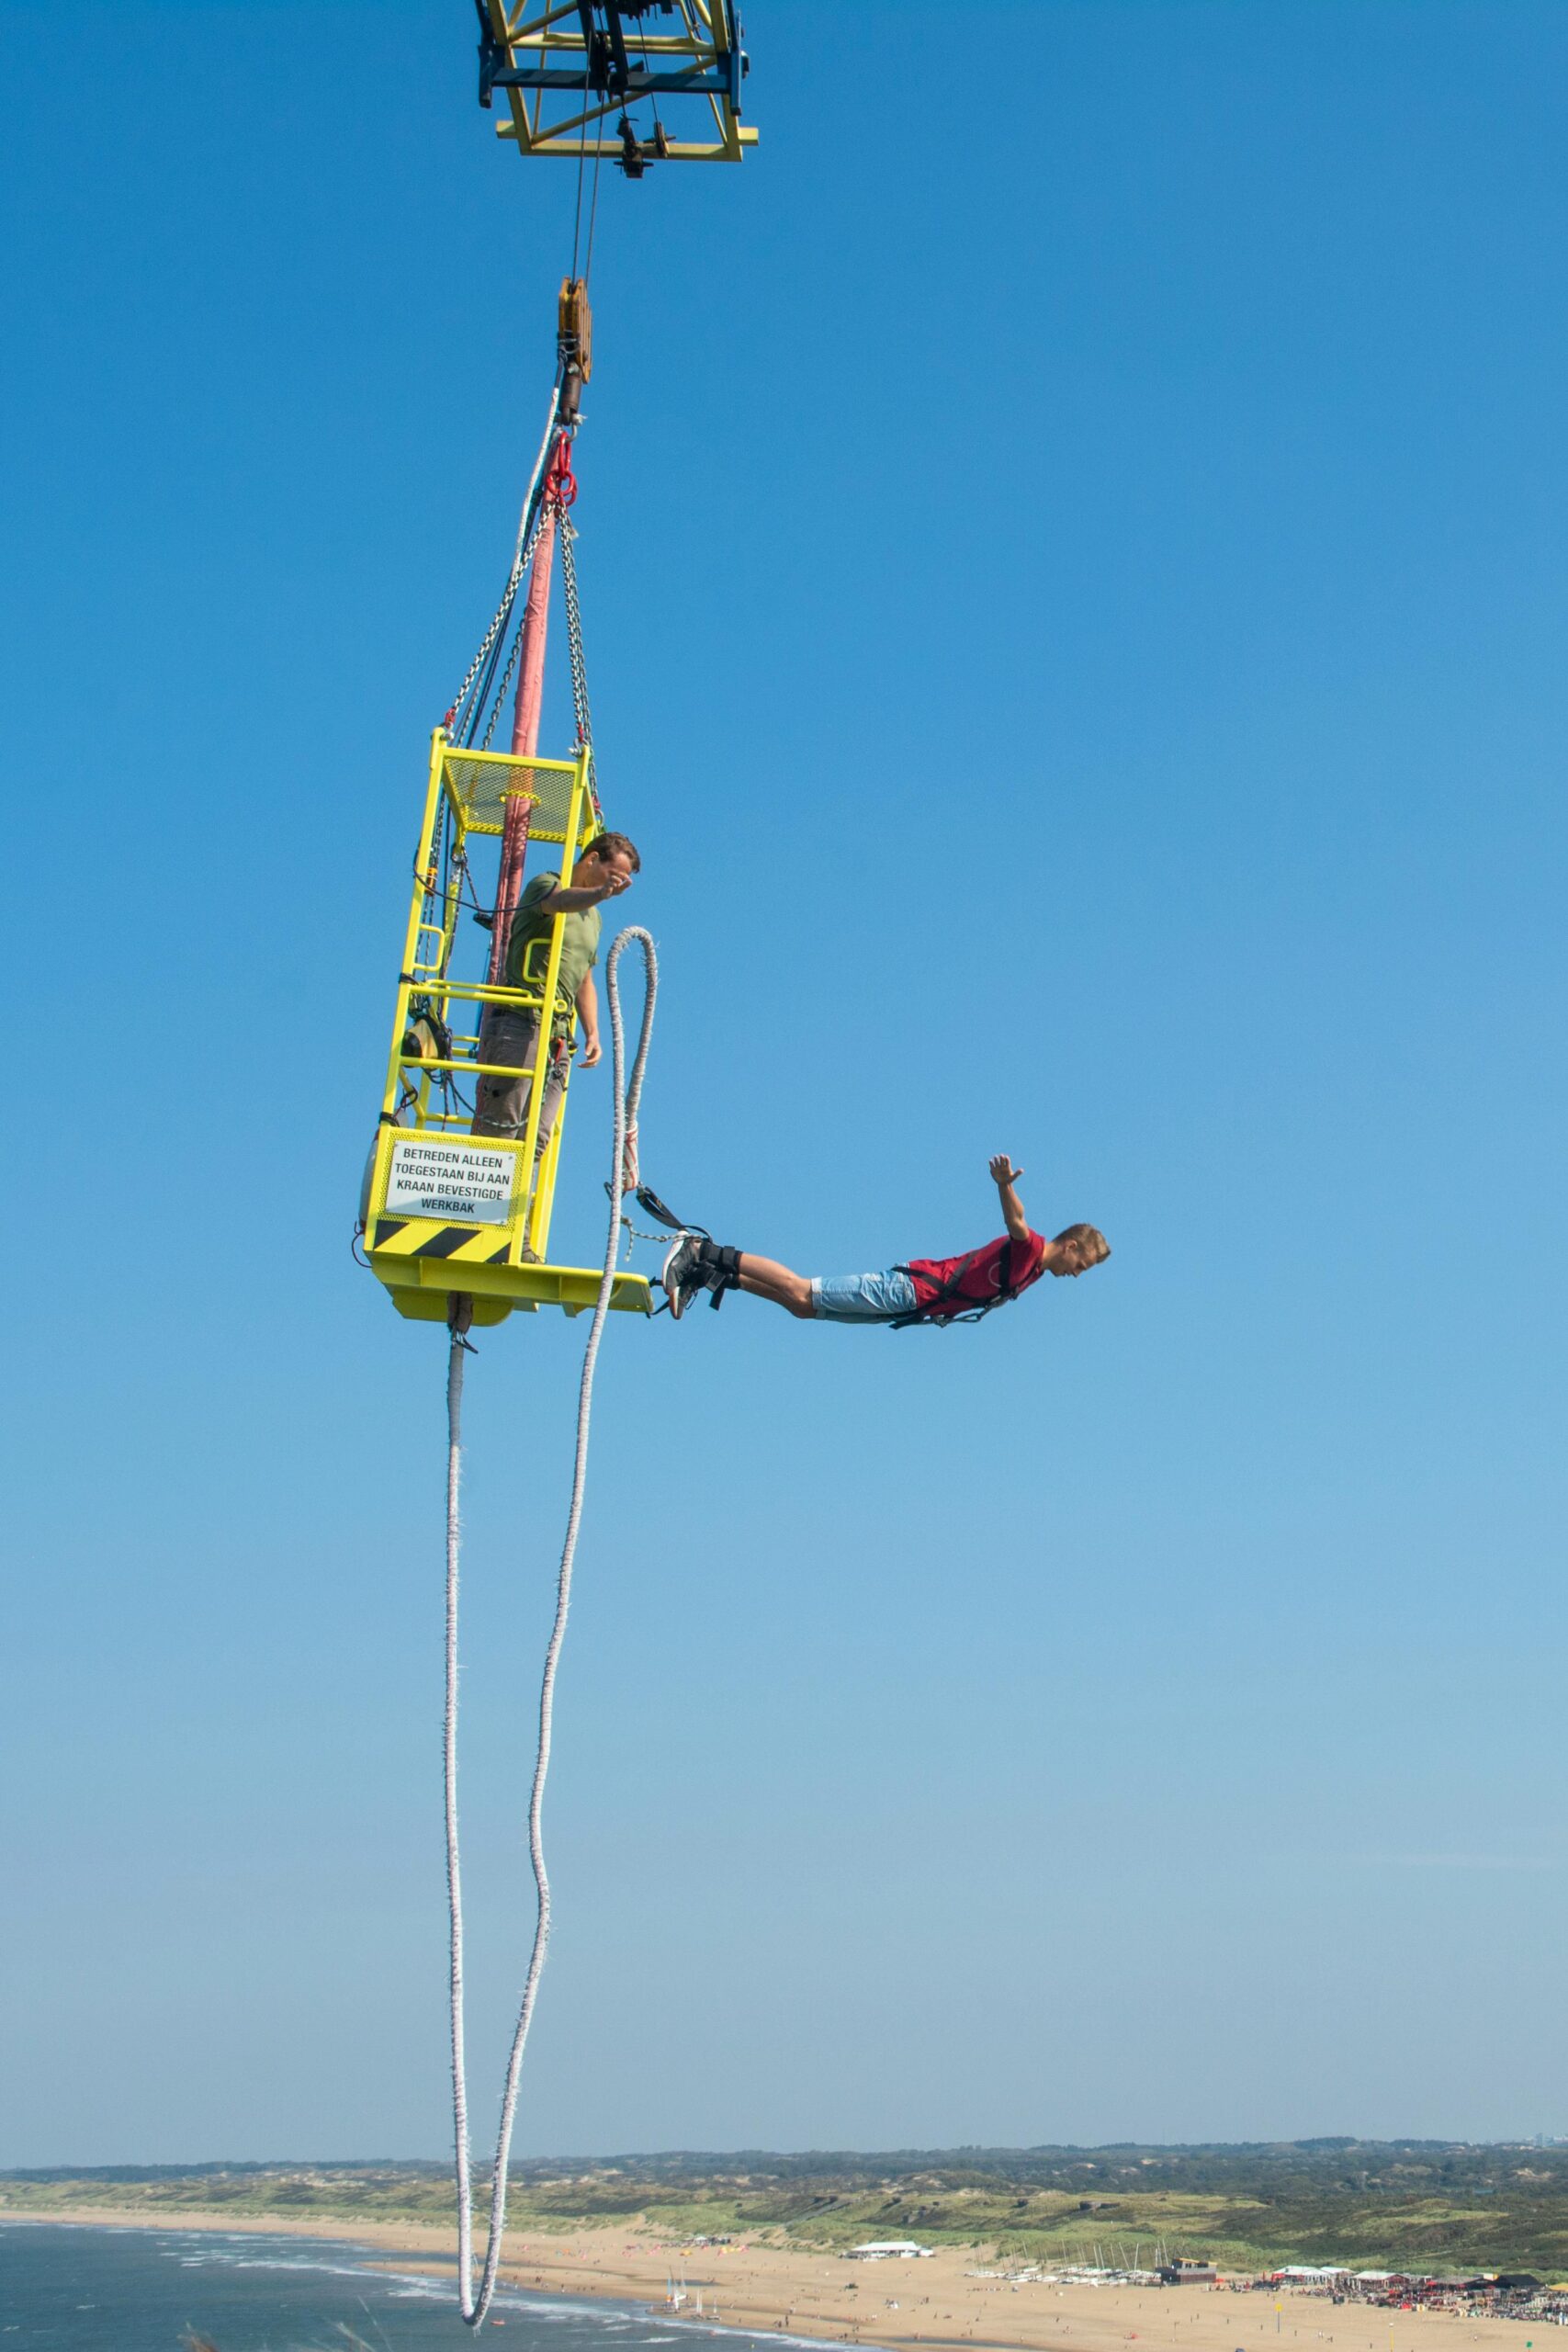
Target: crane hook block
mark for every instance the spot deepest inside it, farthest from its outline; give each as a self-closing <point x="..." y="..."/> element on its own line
<point x="575" y="324"/>
<point x="574" y="343"/>
<point x="574" y="346"/>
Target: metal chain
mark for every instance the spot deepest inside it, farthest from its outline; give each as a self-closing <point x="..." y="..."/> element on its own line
<point x="499" y="705"/>
<point x="578" y="666"/>
<point x="574" y="648"/>
<point x="502" y="613"/>
<point x="527" y="542"/>
<point x="638" y="1233"/>
<point x="574" y="636"/>
<point x="462" y="718"/>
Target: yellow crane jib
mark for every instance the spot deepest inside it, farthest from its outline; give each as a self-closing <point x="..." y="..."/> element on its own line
<point x="566" y="68"/>
<point x="445" y="1211"/>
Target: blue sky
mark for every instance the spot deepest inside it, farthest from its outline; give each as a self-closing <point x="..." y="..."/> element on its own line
<point x="1073" y="560"/>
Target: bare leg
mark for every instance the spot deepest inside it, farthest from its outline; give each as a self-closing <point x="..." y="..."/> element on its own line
<point x="765" y="1278"/>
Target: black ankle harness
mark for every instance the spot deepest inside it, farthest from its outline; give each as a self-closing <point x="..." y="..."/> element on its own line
<point x="722" y="1266"/>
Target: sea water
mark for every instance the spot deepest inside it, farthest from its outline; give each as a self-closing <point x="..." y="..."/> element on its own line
<point x="66" y="2288"/>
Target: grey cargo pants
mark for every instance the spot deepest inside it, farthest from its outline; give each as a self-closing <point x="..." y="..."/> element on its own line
<point x="501" y="1104"/>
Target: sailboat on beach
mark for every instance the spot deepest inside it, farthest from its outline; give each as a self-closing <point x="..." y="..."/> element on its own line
<point x="678" y="2297"/>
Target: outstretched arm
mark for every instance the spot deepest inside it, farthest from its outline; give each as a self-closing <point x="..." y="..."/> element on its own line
<point x="575" y="898"/>
<point x="1007" y="1179"/>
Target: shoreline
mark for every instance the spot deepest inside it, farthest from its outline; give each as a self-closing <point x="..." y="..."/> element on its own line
<point x="945" y="2303"/>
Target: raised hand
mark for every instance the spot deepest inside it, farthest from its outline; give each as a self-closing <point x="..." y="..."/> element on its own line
<point x="1003" y="1172"/>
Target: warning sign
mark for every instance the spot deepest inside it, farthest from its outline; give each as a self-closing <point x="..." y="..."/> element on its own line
<point x="463" y="1180"/>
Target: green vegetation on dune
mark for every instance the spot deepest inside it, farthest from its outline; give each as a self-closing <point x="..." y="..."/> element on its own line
<point x="1415" y="2205"/>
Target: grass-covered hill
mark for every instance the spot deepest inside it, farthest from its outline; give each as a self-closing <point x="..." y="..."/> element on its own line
<point x="1409" y="2204"/>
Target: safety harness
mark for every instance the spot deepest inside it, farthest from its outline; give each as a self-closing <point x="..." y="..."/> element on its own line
<point x="722" y="1272"/>
<point x="951" y="1286"/>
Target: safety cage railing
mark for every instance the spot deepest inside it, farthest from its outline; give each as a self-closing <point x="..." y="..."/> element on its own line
<point x="447" y="1211"/>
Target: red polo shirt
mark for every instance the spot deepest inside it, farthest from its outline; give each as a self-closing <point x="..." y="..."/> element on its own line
<point x="974" y="1279"/>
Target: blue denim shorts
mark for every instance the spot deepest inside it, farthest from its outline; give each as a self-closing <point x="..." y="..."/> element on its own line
<point x="863" y="1298"/>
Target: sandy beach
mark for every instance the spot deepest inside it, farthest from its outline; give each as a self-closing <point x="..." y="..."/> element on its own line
<point x="799" y="2291"/>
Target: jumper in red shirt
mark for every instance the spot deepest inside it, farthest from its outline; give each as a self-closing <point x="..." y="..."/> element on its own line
<point x="975" y="1278"/>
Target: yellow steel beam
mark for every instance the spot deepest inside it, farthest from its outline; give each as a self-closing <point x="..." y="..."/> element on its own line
<point x="554" y="36"/>
<point x="677" y="151"/>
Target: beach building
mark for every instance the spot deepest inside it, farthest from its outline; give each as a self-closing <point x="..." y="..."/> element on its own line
<point x="889" y="2250"/>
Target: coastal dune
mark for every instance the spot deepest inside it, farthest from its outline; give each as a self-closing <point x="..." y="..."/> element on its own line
<point x="797" y="2290"/>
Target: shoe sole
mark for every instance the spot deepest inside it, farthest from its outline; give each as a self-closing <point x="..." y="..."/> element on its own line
<point x="675" y="1291"/>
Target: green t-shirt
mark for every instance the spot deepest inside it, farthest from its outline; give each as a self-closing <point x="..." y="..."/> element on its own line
<point x="579" y="950"/>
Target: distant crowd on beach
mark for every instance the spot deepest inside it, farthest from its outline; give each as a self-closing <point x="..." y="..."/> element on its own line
<point x="1499" y="2294"/>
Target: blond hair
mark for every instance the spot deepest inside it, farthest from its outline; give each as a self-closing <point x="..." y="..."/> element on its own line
<point x="1091" y="1236"/>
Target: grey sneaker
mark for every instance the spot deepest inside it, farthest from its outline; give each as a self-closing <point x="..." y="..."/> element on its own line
<point x="683" y="1274"/>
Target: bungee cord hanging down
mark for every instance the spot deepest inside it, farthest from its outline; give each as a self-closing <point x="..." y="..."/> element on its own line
<point x="627" y="1097"/>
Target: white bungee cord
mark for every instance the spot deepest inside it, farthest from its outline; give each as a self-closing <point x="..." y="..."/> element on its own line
<point x="627" y="1095"/>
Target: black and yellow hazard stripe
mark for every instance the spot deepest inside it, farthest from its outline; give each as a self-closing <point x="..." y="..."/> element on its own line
<point x="415" y="1237"/>
<point x="421" y="1260"/>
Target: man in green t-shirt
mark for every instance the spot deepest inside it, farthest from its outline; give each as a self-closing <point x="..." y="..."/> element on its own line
<point x="509" y="1033"/>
